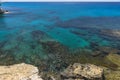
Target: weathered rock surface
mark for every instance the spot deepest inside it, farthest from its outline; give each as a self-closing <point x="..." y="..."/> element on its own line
<point x="79" y="71"/>
<point x="113" y="74"/>
<point x="19" y="72"/>
<point x="115" y="58"/>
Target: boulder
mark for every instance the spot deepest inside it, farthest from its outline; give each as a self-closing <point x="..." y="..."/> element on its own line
<point x="79" y="71"/>
<point x="19" y="72"/>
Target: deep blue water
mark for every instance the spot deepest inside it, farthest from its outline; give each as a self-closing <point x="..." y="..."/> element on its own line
<point x="74" y="25"/>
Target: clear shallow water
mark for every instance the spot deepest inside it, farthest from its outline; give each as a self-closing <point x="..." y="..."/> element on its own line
<point x="32" y="32"/>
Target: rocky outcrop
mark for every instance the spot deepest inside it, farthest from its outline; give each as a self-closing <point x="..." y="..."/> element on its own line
<point x="82" y="72"/>
<point x="19" y="72"/>
<point x="1" y="11"/>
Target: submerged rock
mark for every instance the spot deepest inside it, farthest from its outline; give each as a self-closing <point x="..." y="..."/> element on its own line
<point x="115" y="58"/>
<point x="113" y="74"/>
<point x="37" y="34"/>
<point x="103" y="51"/>
<point x="82" y="72"/>
<point x="54" y="47"/>
<point x="114" y="34"/>
<point x="19" y="72"/>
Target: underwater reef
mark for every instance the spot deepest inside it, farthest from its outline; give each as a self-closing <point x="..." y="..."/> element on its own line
<point x="52" y="56"/>
<point x="60" y="57"/>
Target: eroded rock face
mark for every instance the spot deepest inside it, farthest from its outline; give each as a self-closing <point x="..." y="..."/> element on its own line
<point x="19" y="72"/>
<point x="82" y="72"/>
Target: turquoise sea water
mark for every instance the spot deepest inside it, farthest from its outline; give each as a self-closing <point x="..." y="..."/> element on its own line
<point x="27" y="29"/>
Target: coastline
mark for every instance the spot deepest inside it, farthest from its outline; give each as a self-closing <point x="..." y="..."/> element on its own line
<point x="74" y="71"/>
<point x="89" y="71"/>
<point x="60" y="44"/>
<point x="2" y="11"/>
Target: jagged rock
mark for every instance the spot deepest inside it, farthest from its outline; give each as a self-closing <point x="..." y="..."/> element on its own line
<point x="19" y="72"/>
<point x="79" y="71"/>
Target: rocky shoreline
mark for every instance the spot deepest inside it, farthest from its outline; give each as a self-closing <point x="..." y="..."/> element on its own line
<point x="76" y="71"/>
<point x="28" y="72"/>
<point x="3" y="11"/>
<point x="78" y="66"/>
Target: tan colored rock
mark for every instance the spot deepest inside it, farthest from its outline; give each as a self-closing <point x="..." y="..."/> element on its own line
<point x="83" y="71"/>
<point x="19" y="72"/>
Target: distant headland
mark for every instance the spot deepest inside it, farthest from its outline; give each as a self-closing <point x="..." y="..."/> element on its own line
<point x="2" y="11"/>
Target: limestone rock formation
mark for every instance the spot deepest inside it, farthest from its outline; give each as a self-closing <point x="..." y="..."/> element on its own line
<point x="19" y="72"/>
<point x="79" y="71"/>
